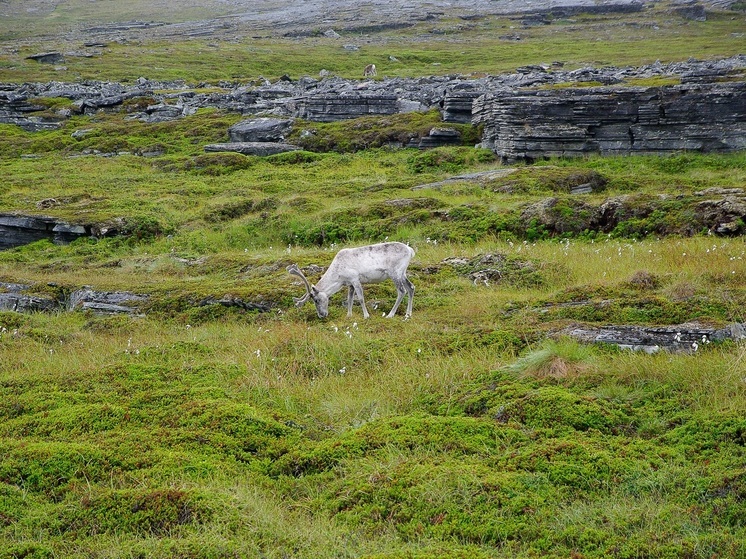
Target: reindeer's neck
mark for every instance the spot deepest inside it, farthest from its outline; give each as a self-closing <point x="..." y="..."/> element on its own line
<point x="329" y="285"/>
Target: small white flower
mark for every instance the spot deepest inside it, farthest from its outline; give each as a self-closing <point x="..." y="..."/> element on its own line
<point x="343" y="370"/>
<point x="258" y="352"/>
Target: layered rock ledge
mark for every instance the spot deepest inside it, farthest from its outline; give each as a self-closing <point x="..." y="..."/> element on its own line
<point x="613" y="120"/>
<point x="535" y="113"/>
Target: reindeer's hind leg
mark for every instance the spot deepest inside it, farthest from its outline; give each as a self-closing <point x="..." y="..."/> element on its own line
<point x="401" y="289"/>
<point x="350" y="299"/>
<point x="409" y="286"/>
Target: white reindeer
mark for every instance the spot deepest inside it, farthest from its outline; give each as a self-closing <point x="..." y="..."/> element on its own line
<point x="353" y="267"/>
<point x="370" y="71"/>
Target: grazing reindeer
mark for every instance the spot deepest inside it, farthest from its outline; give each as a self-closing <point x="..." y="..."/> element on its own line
<point x="355" y="266"/>
<point x="370" y="71"/>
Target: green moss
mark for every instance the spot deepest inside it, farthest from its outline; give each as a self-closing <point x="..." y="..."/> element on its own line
<point x="146" y="512"/>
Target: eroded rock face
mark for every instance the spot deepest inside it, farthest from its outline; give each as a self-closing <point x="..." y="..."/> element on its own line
<point x="22" y="298"/>
<point x="718" y="213"/>
<point x="535" y="124"/>
<point x="260" y="130"/>
<point x="332" y="98"/>
<point x="14" y="297"/>
<point x="105" y="302"/>
<point x="17" y="230"/>
<point x="724" y="216"/>
<point x="333" y="107"/>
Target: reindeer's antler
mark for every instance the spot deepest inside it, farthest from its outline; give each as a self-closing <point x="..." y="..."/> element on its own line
<point x="295" y="271"/>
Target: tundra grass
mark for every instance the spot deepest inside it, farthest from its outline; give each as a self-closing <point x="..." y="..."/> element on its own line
<point x="468" y="430"/>
<point x="455" y="433"/>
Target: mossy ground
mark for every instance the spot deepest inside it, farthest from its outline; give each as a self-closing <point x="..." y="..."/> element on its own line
<point x="468" y="430"/>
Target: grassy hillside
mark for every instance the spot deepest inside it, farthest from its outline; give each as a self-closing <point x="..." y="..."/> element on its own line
<point x="473" y="429"/>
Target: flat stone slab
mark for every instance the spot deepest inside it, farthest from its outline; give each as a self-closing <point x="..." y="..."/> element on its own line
<point x="105" y="302"/>
<point x="686" y="338"/>
<point x="261" y="149"/>
<point x="482" y="176"/>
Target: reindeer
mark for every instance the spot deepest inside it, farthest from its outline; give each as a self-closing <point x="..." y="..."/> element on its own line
<point x="370" y="71"/>
<point x="353" y="267"/>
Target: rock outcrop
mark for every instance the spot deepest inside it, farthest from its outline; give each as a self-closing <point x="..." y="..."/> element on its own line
<point x="252" y="148"/>
<point x="719" y="213"/>
<point x="22" y="298"/>
<point x="260" y="130"/>
<point x="524" y="114"/>
<point x="684" y="338"/>
<point x="17" y="230"/>
<point x="530" y="125"/>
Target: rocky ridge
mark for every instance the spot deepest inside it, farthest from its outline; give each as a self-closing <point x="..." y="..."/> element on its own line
<point x="329" y="98"/>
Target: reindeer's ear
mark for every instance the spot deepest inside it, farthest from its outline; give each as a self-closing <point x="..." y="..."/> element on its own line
<point x="314" y="291"/>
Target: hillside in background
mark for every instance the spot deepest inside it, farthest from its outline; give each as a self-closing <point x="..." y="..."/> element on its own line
<point x="51" y="17"/>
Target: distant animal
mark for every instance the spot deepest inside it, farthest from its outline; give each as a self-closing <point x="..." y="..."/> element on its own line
<point x="352" y="267"/>
<point x="370" y="71"/>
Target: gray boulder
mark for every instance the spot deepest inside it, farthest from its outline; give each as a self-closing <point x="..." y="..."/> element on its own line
<point x="260" y="130"/>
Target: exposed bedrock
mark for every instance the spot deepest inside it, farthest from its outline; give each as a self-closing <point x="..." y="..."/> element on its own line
<point x="683" y="338"/>
<point x="614" y="120"/>
<point x="17" y="230"/>
<point x="527" y="115"/>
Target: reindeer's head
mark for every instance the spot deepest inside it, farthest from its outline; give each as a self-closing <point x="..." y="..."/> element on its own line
<point x="319" y="298"/>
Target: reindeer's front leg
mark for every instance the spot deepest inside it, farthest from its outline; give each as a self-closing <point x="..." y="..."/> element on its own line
<point x="359" y="292"/>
